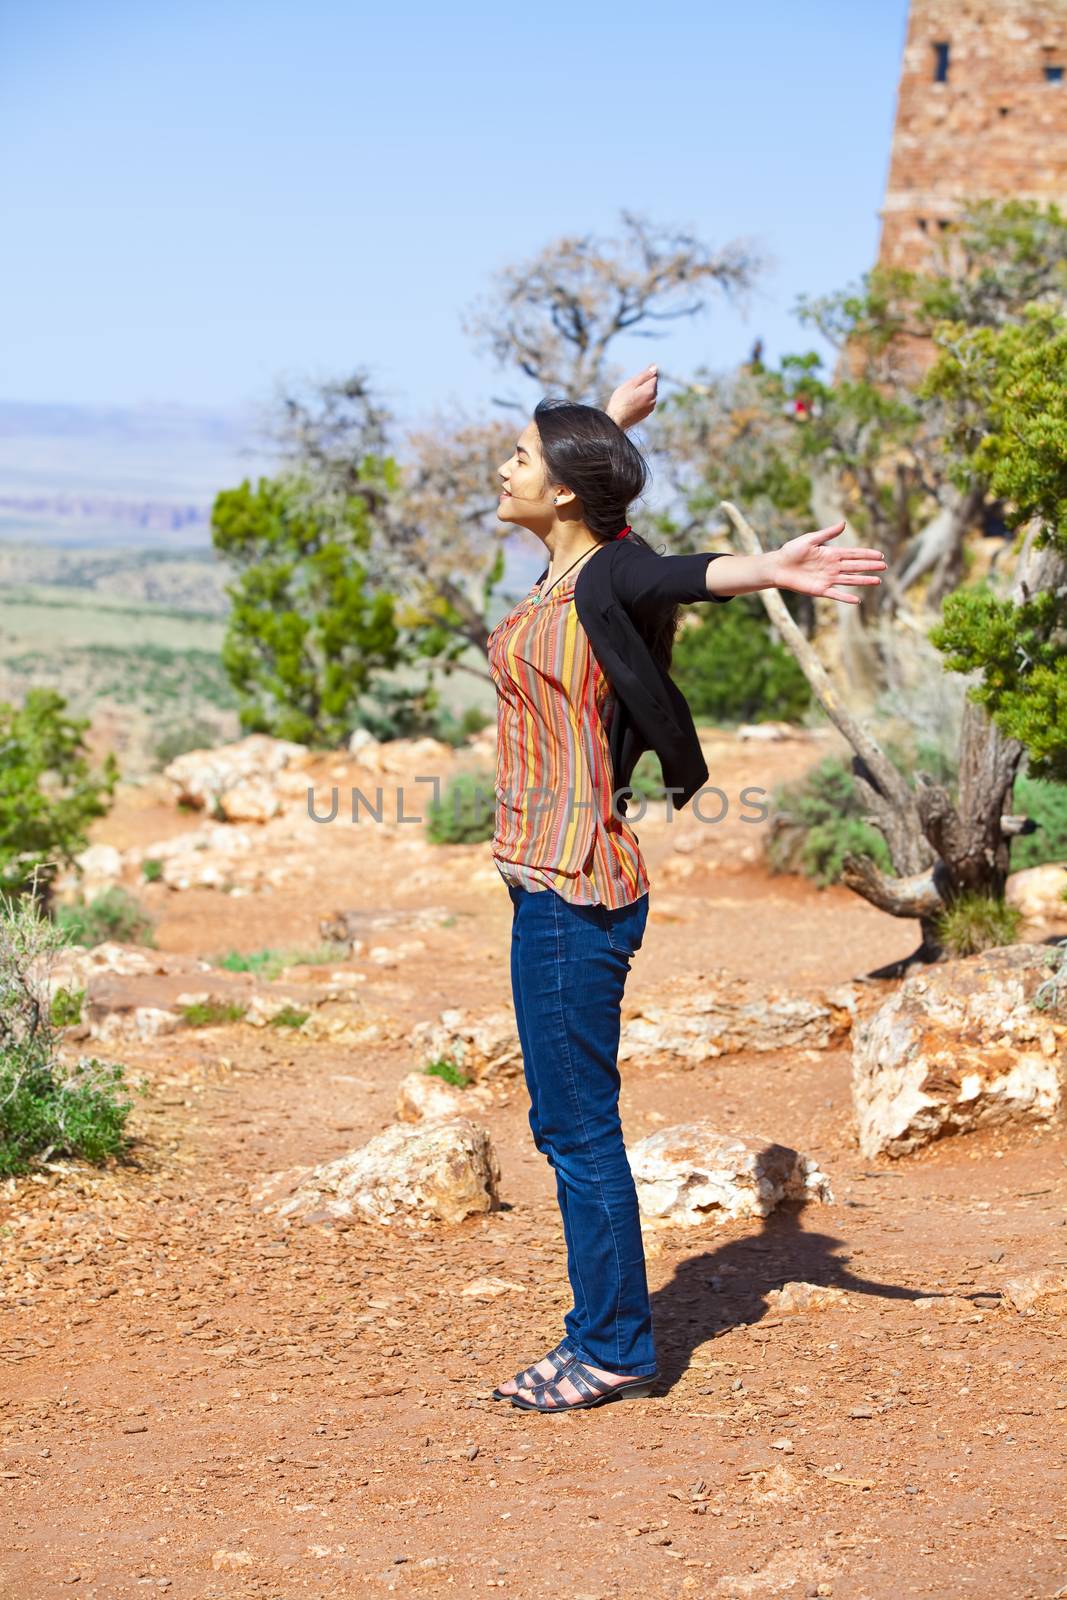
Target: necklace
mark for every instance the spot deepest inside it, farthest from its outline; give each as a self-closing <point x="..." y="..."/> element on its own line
<point x="541" y="594"/>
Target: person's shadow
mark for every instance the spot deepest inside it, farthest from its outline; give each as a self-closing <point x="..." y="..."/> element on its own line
<point x="725" y="1286"/>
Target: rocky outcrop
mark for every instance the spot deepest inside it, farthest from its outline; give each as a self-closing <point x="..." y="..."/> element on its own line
<point x="1039" y="892"/>
<point x="238" y="782"/>
<point x="693" y="1174"/>
<point x="421" y="1097"/>
<point x="483" y="1047"/>
<point x="959" y="1047"/>
<point x="797" y="1296"/>
<point x="694" y="1022"/>
<point x="409" y="1176"/>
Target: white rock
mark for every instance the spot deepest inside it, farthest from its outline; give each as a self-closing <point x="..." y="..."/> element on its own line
<point x="235" y="781"/>
<point x="1038" y="892"/>
<point x="137" y="1022"/>
<point x="693" y="1174"/>
<point x="421" y="1097"/>
<point x="694" y="1021"/>
<point x="482" y="1047"/>
<point x="410" y="1176"/>
<point x="100" y="863"/>
<point x="490" y="1288"/>
<point x="956" y="1048"/>
<point x="797" y="1296"/>
<point x="1027" y="1289"/>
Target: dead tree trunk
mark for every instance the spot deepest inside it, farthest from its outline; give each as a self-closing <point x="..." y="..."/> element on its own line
<point x="939" y="848"/>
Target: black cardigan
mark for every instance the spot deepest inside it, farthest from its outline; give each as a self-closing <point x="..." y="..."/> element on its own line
<point x="624" y="585"/>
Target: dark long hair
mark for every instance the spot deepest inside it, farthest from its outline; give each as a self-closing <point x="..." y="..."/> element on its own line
<point x="584" y="449"/>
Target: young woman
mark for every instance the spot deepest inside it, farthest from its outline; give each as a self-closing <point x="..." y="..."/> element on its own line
<point x="580" y="668"/>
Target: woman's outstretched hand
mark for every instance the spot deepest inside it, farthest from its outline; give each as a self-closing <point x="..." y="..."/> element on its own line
<point x="809" y="565"/>
<point x="635" y="399"/>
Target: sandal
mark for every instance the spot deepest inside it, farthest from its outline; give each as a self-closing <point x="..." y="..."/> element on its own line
<point x="560" y="1357"/>
<point x="594" y="1390"/>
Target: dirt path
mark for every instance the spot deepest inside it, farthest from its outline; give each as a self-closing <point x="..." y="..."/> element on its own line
<point x="207" y="1402"/>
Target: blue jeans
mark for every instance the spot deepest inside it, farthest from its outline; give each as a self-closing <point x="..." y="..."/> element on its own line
<point x="569" y="965"/>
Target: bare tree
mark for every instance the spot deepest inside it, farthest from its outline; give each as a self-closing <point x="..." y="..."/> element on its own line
<point x="556" y="317"/>
<point x="940" y="848"/>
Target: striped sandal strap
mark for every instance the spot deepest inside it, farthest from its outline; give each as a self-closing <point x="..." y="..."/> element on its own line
<point x="531" y="1378"/>
<point x="580" y="1376"/>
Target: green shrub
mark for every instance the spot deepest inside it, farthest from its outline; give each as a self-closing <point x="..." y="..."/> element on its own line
<point x="209" y="1013"/>
<point x="290" y="1017"/>
<point x="67" y="1007"/>
<point x="113" y="914"/>
<point x="456" y="731"/>
<point x="647" y="777"/>
<point x="444" y="1067"/>
<point x="268" y="964"/>
<point x="48" y="795"/>
<point x="151" y="869"/>
<point x="1046" y="802"/>
<point x="1052" y="994"/>
<point x="466" y="811"/>
<point x="814" y="821"/>
<point x="48" y="1107"/>
<point x="183" y="737"/>
<point x="976" y="922"/>
<point x="731" y="667"/>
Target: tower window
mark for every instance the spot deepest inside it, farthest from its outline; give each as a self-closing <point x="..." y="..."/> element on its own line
<point x="1053" y="74"/>
<point x="941" y="62"/>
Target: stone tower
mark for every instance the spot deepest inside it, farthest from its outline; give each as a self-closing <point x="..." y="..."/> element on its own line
<point x="981" y="114"/>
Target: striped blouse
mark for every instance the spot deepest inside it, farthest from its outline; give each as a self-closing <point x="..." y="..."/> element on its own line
<point x="555" y="828"/>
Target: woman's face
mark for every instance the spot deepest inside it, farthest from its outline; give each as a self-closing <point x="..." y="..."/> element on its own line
<point x="525" y="497"/>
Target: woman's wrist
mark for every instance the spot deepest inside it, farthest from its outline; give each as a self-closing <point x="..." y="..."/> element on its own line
<point x="743" y="574"/>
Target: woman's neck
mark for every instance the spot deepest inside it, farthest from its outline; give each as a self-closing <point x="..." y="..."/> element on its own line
<point x="566" y="543"/>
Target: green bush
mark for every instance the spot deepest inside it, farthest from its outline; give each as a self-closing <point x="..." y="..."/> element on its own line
<point x="151" y="869"/>
<point x="113" y="914"/>
<point x="268" y="964"/>
<point x="48" y="795"/>
<point x="290" y="1017"/>
<point x="647" y="777"/>
<point x="67" y="1007"/>
<point x="814" y="821"/>
<point x="209" y="1013"/>
<point x="975" y="922"/>
<point x="466" y="811"/>
<point x="183" y="737"/>
<point x="48" y="1107"/>
<point x="731" y="667"/>
<point x="1046" y="802"/>
<point x="444" y="1067"/>
<point x="454" y="730"/>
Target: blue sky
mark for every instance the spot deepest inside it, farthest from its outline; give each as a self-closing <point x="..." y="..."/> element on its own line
<point x="202" y="199"/>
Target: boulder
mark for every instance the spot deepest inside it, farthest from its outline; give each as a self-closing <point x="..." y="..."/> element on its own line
<point x="409" y="1176"/>
<point x="693" y="1174"/>
<point x="100" y="867"/>
<point x="422" y="1097"/>
<point x="236" y="782"/>
<point x="694" y="1021"/>
<point x="797" y="1296"/>
<point x="1025" y="1291"/>
<point x="958" y="1047"/>
<point x="483" y="1047"/>
<point x="1039" y="892"/>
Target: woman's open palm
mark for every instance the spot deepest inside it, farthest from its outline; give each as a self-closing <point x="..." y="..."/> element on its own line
<point x="809" y="565"/>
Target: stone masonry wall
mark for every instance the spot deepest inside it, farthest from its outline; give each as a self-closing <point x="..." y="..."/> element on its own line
<point x="995" y="127"/>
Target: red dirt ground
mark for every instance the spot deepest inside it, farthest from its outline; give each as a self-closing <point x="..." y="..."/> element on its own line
<point x="207" y="1402"/>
